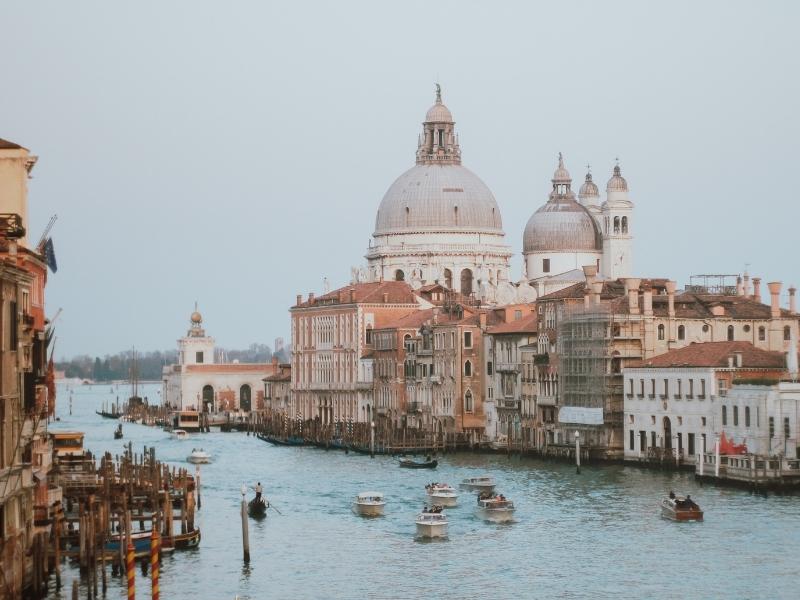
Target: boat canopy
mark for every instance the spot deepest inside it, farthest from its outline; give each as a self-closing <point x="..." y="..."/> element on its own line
<point x="370" y="496"/>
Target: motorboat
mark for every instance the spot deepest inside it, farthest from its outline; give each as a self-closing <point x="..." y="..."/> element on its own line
<point x="199" y="457"/>
<point x="495" y="507"/>
<point x="413" y="464"/>
<point x="484" y="483"/>
<point x="257" y="507"/>
<point x="432" y="523"/>
<point x="679" y="508"/>
<point x="118" y="432"/>
<point x="180" y="434"/>
<point x="369" y="504"/>
<point x="442" y="494"/>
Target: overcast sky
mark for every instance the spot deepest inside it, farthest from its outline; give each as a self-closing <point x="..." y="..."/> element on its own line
<point x="235" y="153"/>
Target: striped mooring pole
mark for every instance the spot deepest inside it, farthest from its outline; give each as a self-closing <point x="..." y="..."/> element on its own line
<point x="155" y="547"/>
<point x="131" y="564"/>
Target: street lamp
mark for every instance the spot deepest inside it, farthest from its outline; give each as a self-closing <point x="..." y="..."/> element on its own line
<point x="577" y="452"/>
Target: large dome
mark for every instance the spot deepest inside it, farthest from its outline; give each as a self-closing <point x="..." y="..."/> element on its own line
<point x="430" y="197"/>
<point x="562" y="225"/>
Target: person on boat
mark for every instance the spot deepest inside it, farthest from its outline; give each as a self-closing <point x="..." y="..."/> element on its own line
<point x="690" y="503"/>
<point x="258" y="489"/>
<point x="671" y="495"/>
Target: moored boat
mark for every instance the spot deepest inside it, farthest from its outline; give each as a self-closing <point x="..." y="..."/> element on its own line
<point x="292" y="440"/>
<point x="484" y="483"/>
<point x="678" y="508"/>
<point x="432" y="523"/>
<point x="442" y="494"/>
<point x="182" y="541"/>
<point x="413" y="464"/>
<point x="139" y="539"/>
<point x="199" y="457"/>
<point x="370" y="504"/>
<point x="496" y="508"/>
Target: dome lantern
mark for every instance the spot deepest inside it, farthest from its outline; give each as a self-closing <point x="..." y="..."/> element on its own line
<point x="438" y="144"/>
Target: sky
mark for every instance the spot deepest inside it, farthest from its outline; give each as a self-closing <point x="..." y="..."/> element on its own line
<point x="234" y="153"/>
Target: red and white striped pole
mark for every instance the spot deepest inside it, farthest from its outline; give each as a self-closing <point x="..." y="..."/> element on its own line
<point x="131" y="564"/>
<point x="155" y="547"/>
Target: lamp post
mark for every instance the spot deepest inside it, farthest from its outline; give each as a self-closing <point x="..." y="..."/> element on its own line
<point x="577" y="452"/>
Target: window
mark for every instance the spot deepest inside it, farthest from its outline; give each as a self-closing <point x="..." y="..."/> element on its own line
<point x="730" y="333"/>
<point x="681" y="332"/>
<point x="616" y="224"/>
<point x="702" y="389"/>
<point x="468" y="402"/>
<point x="787" y="334"/>
<point x="468" y="369"/>
<point x="735" y="416"/>
<point x="786" y="430"/>
<point x="399" y="275"/>
<point x="666" y="389"/>
<point x="641" y="388"/>
<point x="491" y="392"/>
<point x="747" y="416"/>
<point x="772" y="427"/>
<point x="489" y="368"/>
<point x="198" y="357"/>
<point x="624" y="224"/>
<point x="703" y="421"/>
<point x="690" y="395"/>
<point x="467" y="339"/>
<point x="642" y="440"/>
<point x="661" y="332"/>
<point x="679" y="391"/>
<point x="517" y="315"/>
<point x="545" y="265"/>
<point x="630" y="388"/>
<point x="690" y="442"/>
<point x="722" y="384"/>
<point x="369" y="335"/>
<point x="652" y="388"/>
<point x="762" y="334"/>
<point x="653" y="439"/>
<point x="448" y="279"/>
<point x="631" y="439"/>
<point x="724" y="415"/>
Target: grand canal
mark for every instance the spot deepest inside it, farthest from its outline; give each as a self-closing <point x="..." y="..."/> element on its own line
<point x="597" y="534"/>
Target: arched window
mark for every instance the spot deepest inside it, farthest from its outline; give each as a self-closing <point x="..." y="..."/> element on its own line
<point x="762" y="334"/>
<point x="681" y="332"/>
<point x="469" y="405"/>
<point x="208" y="398"/>
<point x="544" y="344"/>
<point x="245" y="397"/>
<point x="408" y="216"/>
<point x="448" y="279"/>
<point x="399" y="275"/>
<point x="787" y="333"/>
<point x="468" y="369"/>
<point x="724" y="415"/>
<point x="661" y="330"/>
<point x="466" y="282"/>
<point x="730" y="333"/>
<point x="624" y="224"/>
<point x="616" y="224"/>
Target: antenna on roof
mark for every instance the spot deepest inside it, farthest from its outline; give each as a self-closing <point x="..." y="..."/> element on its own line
<point x="43" y="239"/>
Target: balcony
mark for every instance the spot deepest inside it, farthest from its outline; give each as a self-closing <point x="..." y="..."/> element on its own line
<point x="507" y="367"/>
<point x="546" y="400"/>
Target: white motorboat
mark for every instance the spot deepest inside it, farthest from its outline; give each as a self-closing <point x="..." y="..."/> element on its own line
<point x="369" y="504"/>
<point x="180" y="434"/>
<point x="497" y="509"/>
<point x="199" y="457"/>
<point x="432" y="523"/>
<point x="441" y="494"/>
<point x="484" y="483"/>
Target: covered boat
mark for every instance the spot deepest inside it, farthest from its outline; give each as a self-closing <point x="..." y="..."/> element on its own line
<point x="496" y="508"/>
<point x="369" y="504"/>
<point x="442" y="494"/>
<point x="432" y="523"/>
<point x="413" y="464"/>
<point x="484" y="483"/>
<point x="180" y="434"/>
<point x="678" y="508"/>
<point x="199" y="457"/>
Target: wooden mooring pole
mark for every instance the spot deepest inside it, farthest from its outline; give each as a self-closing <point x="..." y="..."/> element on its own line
<point x="245" y="533"/>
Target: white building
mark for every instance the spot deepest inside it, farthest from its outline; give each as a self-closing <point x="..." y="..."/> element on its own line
<point x="198" y="382"/>
<point x="677" y="404"/>
<point x="439" y="223"/>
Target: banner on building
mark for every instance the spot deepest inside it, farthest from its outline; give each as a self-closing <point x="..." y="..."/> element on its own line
<point x="50" y="255"/>
<point x="580" y="415"/>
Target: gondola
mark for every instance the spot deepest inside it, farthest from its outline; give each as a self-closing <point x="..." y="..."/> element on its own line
<point x="118" y="432"/>
<point x="182" y="541"/>
<point x="413" y="464"/>
<point x="257" y="508"/>
<point x="290" y="441"/>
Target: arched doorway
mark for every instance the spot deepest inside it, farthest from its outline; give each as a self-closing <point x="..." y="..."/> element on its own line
<point x="245" y="395"/>
<point x="667" y="434"/>
<point x="448" y="279"/>
<point x="208" y="398"/>
<point x="466" y="282"/>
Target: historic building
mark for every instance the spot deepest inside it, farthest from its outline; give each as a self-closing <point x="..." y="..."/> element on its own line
<point x="439" y="223"/>
<point x="567" y="234"/>
<point x="199" y="382"/>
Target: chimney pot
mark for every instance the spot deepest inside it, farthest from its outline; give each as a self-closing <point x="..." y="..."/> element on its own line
<point x="597" y="290"/>
<point x="386" y="297"/>
<point x="757" y="289"/>
<point x="792" y="300"/>
<point x="590" y="271"/>
<point x="299" y="299"/>
<point x="775" y="297"/>
<point x="633" y="294"/>
<point x="739" y="286"/>
<point x="671" y="286"/>
<point x="482" y="320"/>
<point x="311" y="298"/>
<point x="352" y="296"/>
<point x="647" y="301"/>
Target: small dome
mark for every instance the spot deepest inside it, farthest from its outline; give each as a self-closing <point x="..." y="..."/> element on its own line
<point x="561" y="174"/>
<point x="589" y="188"/>
<point x="617" y="182"/>
<point x="438" y="113"/>
<point x="196" y="317"/>
<point x="562" y="225"/>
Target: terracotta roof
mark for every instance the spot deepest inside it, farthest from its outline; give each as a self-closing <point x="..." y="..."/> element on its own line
<point x="527" y="324"/>
<point x="6" y="145"/>
<point x="715" y="354"/>
<point x="399" y="292"/>
<point x="283" y="375"/>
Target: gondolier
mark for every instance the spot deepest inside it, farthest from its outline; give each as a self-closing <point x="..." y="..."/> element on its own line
<point x="258" y="489"/>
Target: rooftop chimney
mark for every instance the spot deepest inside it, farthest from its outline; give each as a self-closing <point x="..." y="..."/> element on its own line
<point x="647" y="302"/>
<point x="597" y="290"/>
<point x="757" y="289"/>
<point x="792" y="300"/>
<point x="633" y="294"/>
<point x="386" y="297"/>
<point x="311" y="298"/>
<point x="482" y="320"/>
<point x="299" y="299"/>
<point x="775" y="294"/>
<point x="352" y="296"/>
<point x="671" y="285"/>
<point x="590" y="272"/>
<point x="746" y="284"/>
<point x="739" y="286"/>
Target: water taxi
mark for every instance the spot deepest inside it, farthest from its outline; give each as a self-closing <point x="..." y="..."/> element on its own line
<point x="199" y="457"/>
<point x="484" y="483"/>
<point x="188" y="420"/>
<point x="180" y="434"/>
<point x="678" y="508"/>
<point x="68" y="443"/>
<point x="432" y="523"/>
<point x="369" y="504"/>
<point x="495" y="508"/>
<point x="442" y="494"/>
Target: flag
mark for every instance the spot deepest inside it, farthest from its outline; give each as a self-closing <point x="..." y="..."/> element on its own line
<point x="50" y="255"/>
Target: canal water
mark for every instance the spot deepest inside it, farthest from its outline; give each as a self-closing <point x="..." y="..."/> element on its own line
<point x="593" y="535"/>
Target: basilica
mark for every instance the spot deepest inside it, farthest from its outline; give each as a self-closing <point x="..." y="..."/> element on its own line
<point x="439" y="223"/>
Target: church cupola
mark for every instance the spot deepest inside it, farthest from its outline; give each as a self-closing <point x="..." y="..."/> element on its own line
<point x="562" y="181"/>
<point x="589" y="195"/>
<point x="438" y="144"/>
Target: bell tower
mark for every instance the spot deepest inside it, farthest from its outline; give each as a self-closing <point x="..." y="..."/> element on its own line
<point x="196" y="348"/>
<point x="617" y="228"/>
